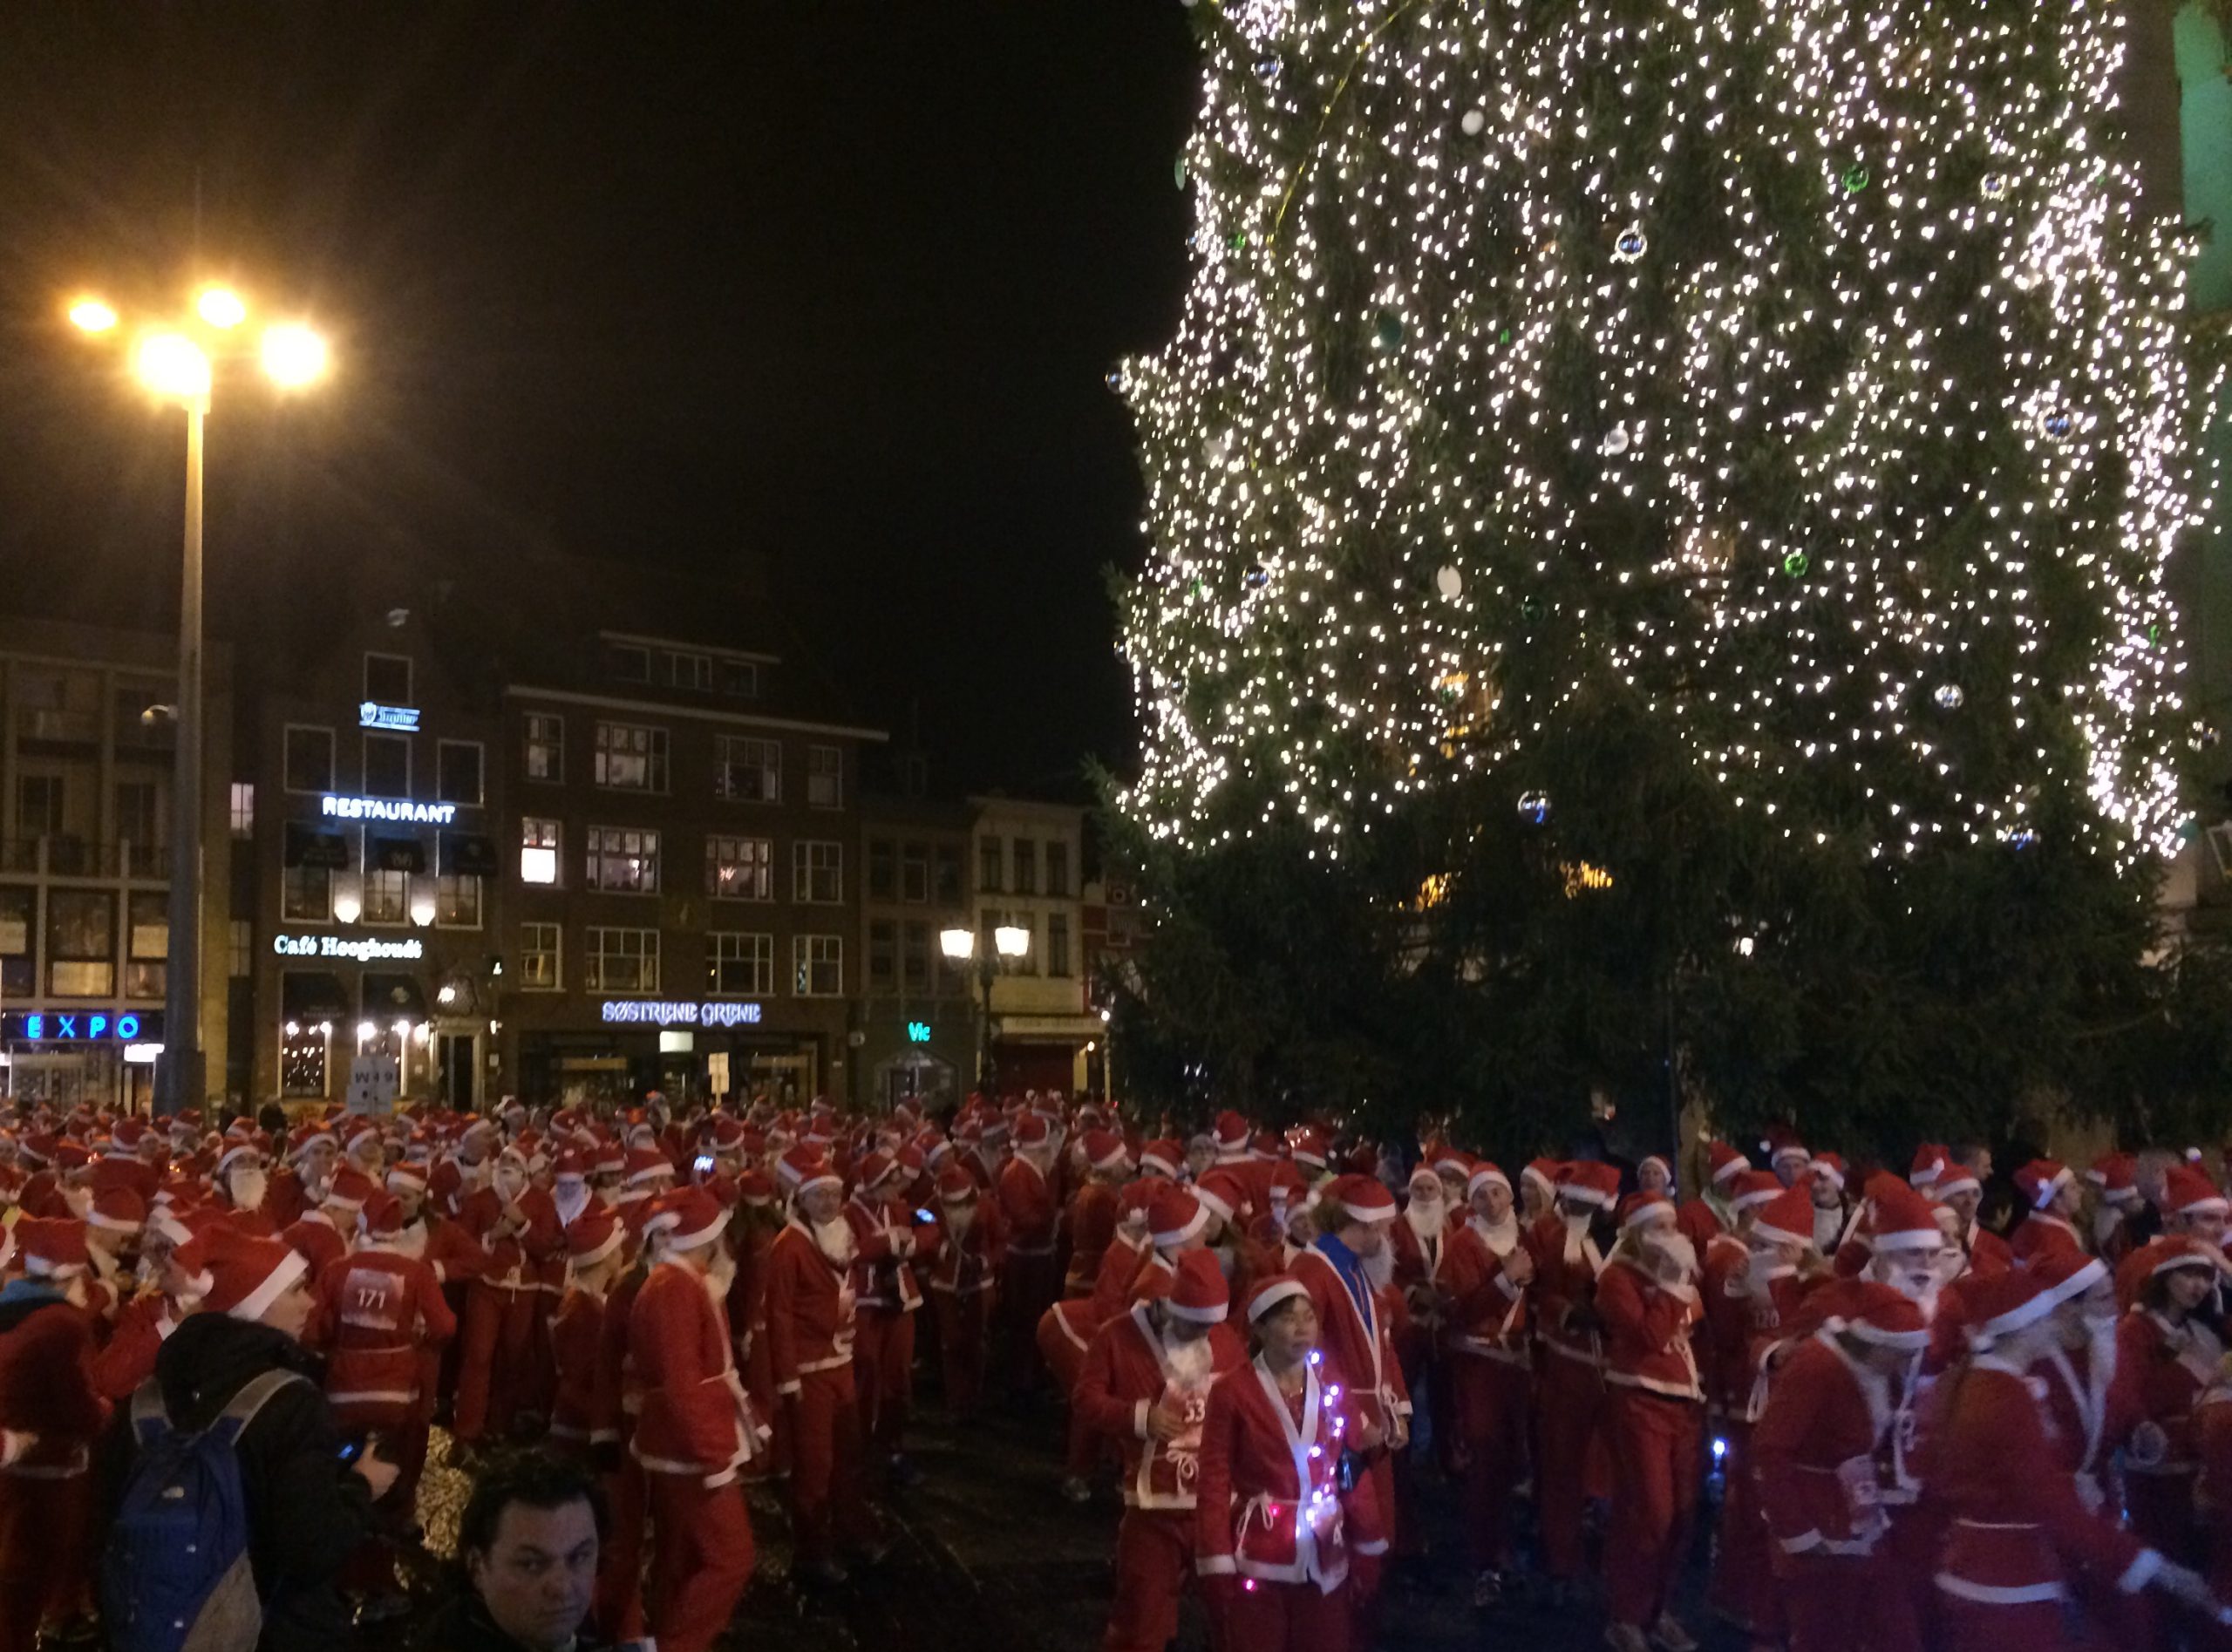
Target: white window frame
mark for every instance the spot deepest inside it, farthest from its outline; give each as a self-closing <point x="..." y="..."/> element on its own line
<point x="751" y="948"/>
<point x="557" y="743"/>
<point x="726" y="766"/>
<point x="332" y="759"/>
<point x="529" y="935"/>
<point x="804" y="951"/>
<point x="595" y="955"/>
<point x="538" y="826"/>
<point x="803" y="855"/>
<point x="762" y="889"/>
<point x="654" y="757"/>
<point x="596" y="854"/>
<point x="832" y="757"/>
<point x="243" y="809"/>
<point x="446" y="882"/>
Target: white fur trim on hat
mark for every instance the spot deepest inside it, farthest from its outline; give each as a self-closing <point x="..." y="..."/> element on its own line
<point x="1164" y="1240"/>
<point x="1914" y="1341"/>
<point x="1484" y="1176"/>
<point x="611" y="1243"/>
<point x="1213" y="1314"/>
<point x="1268" y="1299"/>
<point x="252" y="1305"/>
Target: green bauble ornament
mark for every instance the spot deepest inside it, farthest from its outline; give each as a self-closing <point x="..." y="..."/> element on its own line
<point x="1796" y="564"/>
<point x="1389" y="328"/>
<point x="1237" y="239"/>
<point x="1855" y="180"/>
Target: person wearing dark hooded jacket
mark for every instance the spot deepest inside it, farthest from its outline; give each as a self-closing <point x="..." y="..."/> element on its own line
<point x="307" y="1512"/>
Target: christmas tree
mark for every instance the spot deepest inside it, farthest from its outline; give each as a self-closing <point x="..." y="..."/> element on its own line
<point x="1730" y="447"/>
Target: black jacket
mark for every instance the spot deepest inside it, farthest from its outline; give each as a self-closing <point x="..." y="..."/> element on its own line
<point x="307" y="1514"/>
<point x="463" y="1625"/>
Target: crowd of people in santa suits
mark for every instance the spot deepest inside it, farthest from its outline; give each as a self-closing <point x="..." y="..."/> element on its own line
<point x="1930" y="1435"/>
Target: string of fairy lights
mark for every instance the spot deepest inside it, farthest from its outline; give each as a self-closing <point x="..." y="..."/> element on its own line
<point x="1806" y="370"/>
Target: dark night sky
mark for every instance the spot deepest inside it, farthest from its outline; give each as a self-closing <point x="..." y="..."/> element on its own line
<point x="835" y="282"/>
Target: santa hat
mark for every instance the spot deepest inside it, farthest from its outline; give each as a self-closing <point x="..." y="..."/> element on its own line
<point x="1309" y="1147"/>
<point x="1788" y="1218"/>
<point x="2040" y="1179"/>
<point x="956" y="1185"/>
<point x="350" y="1189"/>
<point x="872" y="1169"/>
<point x="1175" y="1216"/>
<point x="646" y="1165"/>
<point x="1033" y="1131"/>
<point x="570" y="1167"/>
<point x="2187" y="1191"/>
<point x="1198" y="1291"/>
<point x="117" y="1210"/>
<point x="1587" y="1183"/>
<point x="1270" y="1292"/>
<point x="802" y="1168"/>
<point x="756" y="1189"/>
<point x="1883" y="1315"/>
<point x="383" y="1216"/>
<point x="1658" y="1159"/>
<point x="593" y="1235"/>
<point x="247" y="1275"/>
<point x="1783" y="1144"/>
<point x="1223" y="1195"/>
<point x="1544" y="1173"/>
<point x="1424" y="1171"/>
<point x="1725" y="1164"/>
<point x="2068" y="1273"/>
<point x="409" y="1178"/>
<point x="1104" y="1150"/>
<point x="1753" y="1188"/>
<point x="1830" y="1168"/>
<point x="1955" y="1179"/>
<point x="1485" y="1174"/>
<point x="2115" y="1174"/>
<point x="1930" y="1164"/>
<point x="362" y="1136"/>
<point x="1362" y="1198"/>
<point x="1899" y="1217"/>
<point x="2005" y="1303"/>
<point x="1641" y="1210"/>
<point x="52" y="1248"/>
<point x="1165" y="1158"/>
<point x="1230" y="1134"/>
<point x="690" y="1217"/>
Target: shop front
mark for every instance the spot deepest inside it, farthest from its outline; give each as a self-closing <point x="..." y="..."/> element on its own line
<point x="1044" y="1052"/>
<point x="688" y="1050"/>
<point x="93" y="1057"/>
<point x="327" y="1016"/>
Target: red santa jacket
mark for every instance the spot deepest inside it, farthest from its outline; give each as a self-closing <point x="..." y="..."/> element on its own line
<point x="286" y="1198"/>
<point x="47" y="1390"/>
<point x="1027" y="1208"/>
<point x="2017" y="1521"/>
<point x="1127" y="1370"/>
<point x="2042" y="1234"/>
<point x="1355" y="1340"/>
<point x="2166" y="1367"/>
<point x="695" y="1419"/>
<point x="1270" y="1507"/>
<point x="2089" y="1414"/>
<point x="515" y="1259"/>
<point x="376" y="1309"/>
<point x="1703" y="1221"/>
<point x="1814" y="1454"/>
<point x="883" y="1244"/>
<point x="967" y="1264"/>
<point x="454" y="1255"/>
<point x="1566" y="1266"/>
<point x="1090" y="1223"/>
<point x="127" y="1358"/>
<point x="1647" y="1330"/>
<point x="1989" y="1254"/>
<point x="616" y="1396"/>
<point x="1487" y="1314"/>
<point x="810" y="1319"/>
<point x="317" y="1240"/>
<point x="576" y="1334"/>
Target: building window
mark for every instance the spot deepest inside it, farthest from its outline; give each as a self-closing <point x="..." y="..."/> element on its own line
<point x="541" y="952"/>
<point x="883" y="869"/>
<point x="1057" y="868"/>
<point x="457" y="897"/>
<point x="989" y="940"/>
<point x="457" y="771"/>
<point x="691" y="671"/>
<point x="306" y="894"/>
<point x="139" y="824"/>
<point x="387" y="766"/>
<point x="309" y="758"/>
<point x="387" y="894"/>
<point x="17" y="977"/>
<point x="914" y="956"/>
<point x="1057" y="944"/>
<point x="1026" y="867"/>
<point x="884" y="955"/>
<point x="740" y="869"/>
<point x="39" y="805"/>
<point x="915" y="873"/>
<point x="825" y="777"/>
<point x="623" y="960"/>
<point x="243" y="808"/>
<point x="243" y="937"/>
<point x="545" y="747"/>
<point x="740" y="679"/>
<point x="746" y="771"/>
<point x="623" y="860"/>
<point x="818" y="966"/>
<point x="630" y="757"/>
<point x="387" y="679"/>
<point x="629" y="664"/>
<point x="80" y="943"/>
<point x="948" y="875"/>
<point x="739" y="966"/>
<point x="988" y="865"/>
<point x="301" y="1058"/>
<point x="818" y="872"/>
<point x="538" y="851"/>
<point x="146" y="944"/>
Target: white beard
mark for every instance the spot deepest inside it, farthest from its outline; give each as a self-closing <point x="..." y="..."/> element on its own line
<point x="1190" y="1362"/>
<point x="571" y="1202"/>
<point x="510" y="1184"/>
<point x="1828" y="1228"/>
<point x="1227" y="1262"/>
<point x="1426" y="1220"/>
<point x="2105" y="1221"/>
<point x="1502" y="1238"/>
<point x="720" y="1275"/>
<point x="79" y="1200"/>
<point x="1379" y="1270"/>
<point x="249" y="1187"/>
<point x="959" y="1220"/>
<point x="835" y="1239"/>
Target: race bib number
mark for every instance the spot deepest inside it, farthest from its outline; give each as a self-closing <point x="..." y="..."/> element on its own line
<point x="371" y="1301"/>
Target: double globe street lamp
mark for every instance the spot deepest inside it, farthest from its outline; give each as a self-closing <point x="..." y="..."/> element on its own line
<point x="176" y="361"/>
<point x="959" y="944"/>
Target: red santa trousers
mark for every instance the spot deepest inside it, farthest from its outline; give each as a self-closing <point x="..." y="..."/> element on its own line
<point x="883" y="1376"/>
<point x="1572" y="1398"/>
<point x="619" y="1610"/>
<point x="828" y="1498"/>
<point x="1285" y="1617"/>
<point x="44" y="1553"/>
<point x="1743" y="1586"/>
<point x="1488" y="1403"/>
<point x="1154" y="1557"/>
<point x="701" y="1559"/>
<point x="2035" y="1626"/>
<point x="1656" y="1442"/>
<point x="1065" y="1362"/>
<point x="962" y="1324"/>
<point x="493" y="1375"/>
<point x="1835" y="1604"/>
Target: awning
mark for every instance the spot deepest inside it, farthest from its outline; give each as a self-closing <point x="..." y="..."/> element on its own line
<point x="468" y="854"/>
<point x="393" y="995"/>
<point x="306" y="847"/>
<point x="312" y="995"/>
<point x="397" y="854"/>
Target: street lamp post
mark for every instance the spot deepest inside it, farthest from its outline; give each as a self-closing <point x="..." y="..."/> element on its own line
<point x="1008" y="941"/>
<point x="175" y="364"/>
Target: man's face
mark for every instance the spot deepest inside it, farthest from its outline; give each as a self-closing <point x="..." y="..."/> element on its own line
<point x="1963" y="1203"/>
<point x="1493" y="1203"/>
<point x="1978" y="1162"/>
<point x="317" y="1162"/>
<point x="1367" y="1238"/>
<point x="1788" y="1169"/>
<point x="1201" y="1154"/>
<point x="2207" y="1226"/>
<point x="291" y="1312"/>
<point x="1453" y="1184"/>
<point x="2188" y="1287"/>
<point x="1908" y="1268"/>
<point x="2068" y="1202"/>
<point x="1651" y="1177"/>
<point x="539" y="1572"/>
<point x="1826" y="1194"/>
<point x="821" y="1202"/>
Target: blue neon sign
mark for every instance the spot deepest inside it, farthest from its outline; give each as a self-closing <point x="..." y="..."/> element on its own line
<point x="77" y="1027"/>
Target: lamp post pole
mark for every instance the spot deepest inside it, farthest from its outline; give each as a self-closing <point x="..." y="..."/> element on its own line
<point x="985" y="1043"/>
<point x="179" y="1081"/>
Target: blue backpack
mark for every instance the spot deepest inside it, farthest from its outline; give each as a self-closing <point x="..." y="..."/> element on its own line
<point x="175" y="1576"/>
